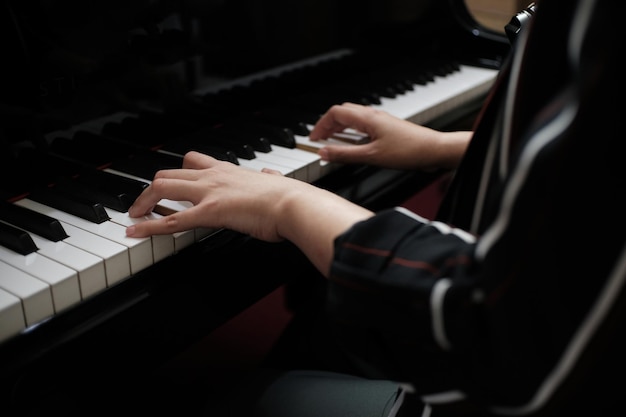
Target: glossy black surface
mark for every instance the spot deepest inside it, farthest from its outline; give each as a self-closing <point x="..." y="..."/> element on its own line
<point x="73" y="62"/>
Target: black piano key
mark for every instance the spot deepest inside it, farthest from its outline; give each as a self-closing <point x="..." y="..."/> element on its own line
<point x="144" y="131"/>
<point x="445" y="68"/>
<point x="16" y="239"/>
<point x="253" y="139"/>
<point x="293" y="114"/>
<point x="35" y="222"/>
<point x="413" y="78"/>
<point x="320" y="102"/>
<point x="407" y="84"/>
<point x="22" y="175"/>
<point x="93" y="212"/>
<point x="281" y="119"/>
<point x="210" y="137"/>
<point x="117" y="130"/>
<point x="356" y="89"/>
<point x="218" y="152"/>
<point x="378" y="86"/>
<point x="146" y="164"/>
<point x="197" y="114"/>
<point x="241" y="150"/>
<point x="103" y="143"/>
<point x="164" y="122"/>
<point x="232" y="99"/>
<point x="421" y="74"/>
<point x="240" y="98"/>
<point x="92" y="149"/>
<point x="113" y="183"/>
<point x="77" y="151"/>
<point x="276" y="135"/>
<point x="114" y="200"/>
<point x="396" y="76"/>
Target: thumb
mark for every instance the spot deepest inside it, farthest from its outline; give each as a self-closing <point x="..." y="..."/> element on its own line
<point x="344" y="153"/>
<point x="271" y="171"/>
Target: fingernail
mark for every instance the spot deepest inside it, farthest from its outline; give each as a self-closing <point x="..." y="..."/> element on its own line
<point x="130" y="230"/>
<point x="323" y="153"/>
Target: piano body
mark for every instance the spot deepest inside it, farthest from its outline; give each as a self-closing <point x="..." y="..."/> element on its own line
<point x="102" y="94"/>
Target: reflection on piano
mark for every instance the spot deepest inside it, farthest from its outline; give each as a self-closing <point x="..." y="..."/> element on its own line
<point x="102" y="96"/>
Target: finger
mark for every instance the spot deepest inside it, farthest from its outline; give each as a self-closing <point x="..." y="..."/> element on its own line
<point x="328" y="124"/>
<point x="346" y="154"/>
<point x="178" y="173"/>
<point x="339" y="118"/>
<point x="176" y="222"/>
<point x="197" y="160"/>
<point x="353" y="105"/>
<point x="145" y="203"/>
<point x="271" y="171"/>
<point x="160" y="188"/>
<point x="355" y="116"/>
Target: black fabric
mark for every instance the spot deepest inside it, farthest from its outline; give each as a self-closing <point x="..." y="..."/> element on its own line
<point x="525" y="319"/>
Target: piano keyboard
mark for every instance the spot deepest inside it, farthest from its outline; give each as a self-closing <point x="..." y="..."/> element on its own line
<point x="93" y="254"/>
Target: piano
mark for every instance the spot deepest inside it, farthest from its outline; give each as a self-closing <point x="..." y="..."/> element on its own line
<point x="100" y="95"/>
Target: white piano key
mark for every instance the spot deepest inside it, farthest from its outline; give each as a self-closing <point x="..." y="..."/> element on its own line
<point x="306" y="144"/>
<point x="429" y="101"/>
<point x="352" y="136"/>
<point x="139" y="250"/>
<point x="296" y="169"/>
<point x="22" y="294"/>
<point x="35" y="294"/>
<point x="421" y="105"/>
<point x="12" y="320"/>
<point x="166" y="206"/>
<point x="115" y="255"/>
<point x="181" y="239"/>
<point x="311" y="160"/>
<point x="63" y="281"/>
<point x="262" y="160"/>
<point x="175" y="205"/>
<point x="258" y="164"/>
<point x="162" y="245"/>
<point x="289" y="162"/>
<point x="90" y="268"/>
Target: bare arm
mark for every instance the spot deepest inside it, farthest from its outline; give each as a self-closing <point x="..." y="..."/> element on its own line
<point x="271" y="207"/>
<point x="267" y="206"/>
<point x="395" y="143"/>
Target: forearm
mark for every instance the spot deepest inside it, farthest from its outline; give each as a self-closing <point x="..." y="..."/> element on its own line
<point x="394" y="143"/>
<point x="312" y="218"/>
<point x="452" y="148"/>
<point x="302" y="209"/>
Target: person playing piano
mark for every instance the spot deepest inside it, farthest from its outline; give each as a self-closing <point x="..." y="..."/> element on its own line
<point x="509" y="301"/>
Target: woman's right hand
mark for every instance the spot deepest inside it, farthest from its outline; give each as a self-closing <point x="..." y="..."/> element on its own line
<point x="265" y="205"/>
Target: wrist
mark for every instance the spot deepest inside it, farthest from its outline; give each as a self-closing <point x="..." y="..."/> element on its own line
<point x="452" y="147"/>
<point x="299" y="221"/>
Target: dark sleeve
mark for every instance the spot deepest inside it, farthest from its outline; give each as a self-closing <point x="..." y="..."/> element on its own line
<point x="401" y="298"/>
<point x="528" y="316"/>
<point x="531" y="315"/>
